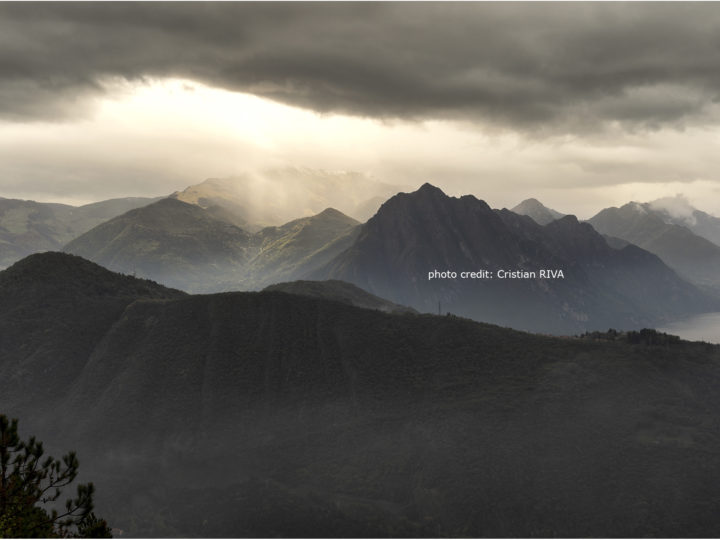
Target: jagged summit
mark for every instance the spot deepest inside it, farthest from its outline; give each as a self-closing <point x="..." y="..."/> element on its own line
<point x="428" y="199"/>
<point x="414" y="234"/>
<point x="428" y="188"/>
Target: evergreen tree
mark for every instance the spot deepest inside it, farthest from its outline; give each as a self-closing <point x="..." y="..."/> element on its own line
<point x="29" y="482"/>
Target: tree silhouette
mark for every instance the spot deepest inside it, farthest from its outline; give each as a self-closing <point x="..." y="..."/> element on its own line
<point x="28" y="482"/>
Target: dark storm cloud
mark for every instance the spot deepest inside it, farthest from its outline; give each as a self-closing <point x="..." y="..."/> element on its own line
<point x="572" y="67"/>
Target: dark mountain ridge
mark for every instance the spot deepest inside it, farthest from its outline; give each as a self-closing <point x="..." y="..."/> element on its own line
<point x="392" y="254"/>
<point x="273" y="414"/>
<point x="414" y="234"/>
<point x="54" y="308"/>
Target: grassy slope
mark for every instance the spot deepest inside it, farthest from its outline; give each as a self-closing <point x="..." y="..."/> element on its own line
<point x="27" y="226"/>
<point x="174" y="242"/>
<point x="291" y="250"/>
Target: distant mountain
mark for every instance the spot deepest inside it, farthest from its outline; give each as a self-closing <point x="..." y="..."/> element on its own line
<point x="281" y="415"/>
<point x="276" y="196"/>
<point x="185" y="246"/>
<point x="90" y="215"/>
<point x="415" y="234"/>
<point x="536" y="210"/>
<point x="678" y="211"/>
<point x="225" y="200"/>
<point x="29" y="227"/>
<point x="341" y="292"/>
<point x="302" y="245"/>
<point x="178" y="244"/>
<point x="692" y="256"/>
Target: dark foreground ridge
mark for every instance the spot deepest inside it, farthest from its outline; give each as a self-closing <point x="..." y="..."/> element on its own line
<point x="272" y="414"/>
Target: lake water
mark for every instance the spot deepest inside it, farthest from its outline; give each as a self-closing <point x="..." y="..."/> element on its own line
<point x="705" y="327"/>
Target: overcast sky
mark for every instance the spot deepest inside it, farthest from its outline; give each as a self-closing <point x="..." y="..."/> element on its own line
<point x="581" y="105"/>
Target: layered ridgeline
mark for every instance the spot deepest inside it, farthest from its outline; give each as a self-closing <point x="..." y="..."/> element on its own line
<point x="29" y="227"/>
<point x="271" y="414"/>
<point x="538" y="211"/>
<point x="678" y="210"/>
<point x="274" y="196"/>
<point x="300" y="246"/>
<point x="651" y="227"/>
<point x="414" y="234"/>
<point x="175" y="243"/>
<point x="204" y="250"/>
<point x="200" y="250"/>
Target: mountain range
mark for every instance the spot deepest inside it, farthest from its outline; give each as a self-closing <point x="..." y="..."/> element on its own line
<point x="186" y="246"/>
<point x="28" y="227"/>
<point x="415" y="234"/>
<point x="686" y="239"/>
<point x="275" y="196"/>
<point x="691" y="255"/>
<point x="331" y="404"/>
<point x="176" y="243"/>
<point x="200" y="241"/>
<point x="251" y="201"/>
<point x="274" y="414"/>
<point x="670" y="210"/>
